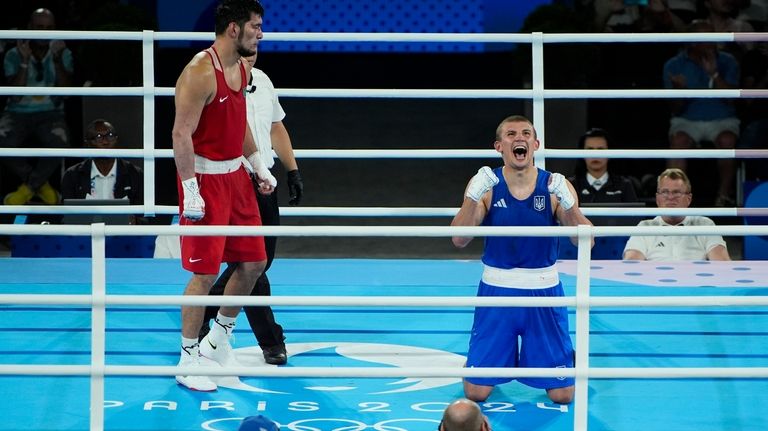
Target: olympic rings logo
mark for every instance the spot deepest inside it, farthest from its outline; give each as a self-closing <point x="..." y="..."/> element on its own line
<point x="315" y="424"/>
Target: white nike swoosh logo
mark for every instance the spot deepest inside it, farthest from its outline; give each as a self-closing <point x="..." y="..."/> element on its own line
<point x="221" y="99"/>
<point x="194" y="260"/>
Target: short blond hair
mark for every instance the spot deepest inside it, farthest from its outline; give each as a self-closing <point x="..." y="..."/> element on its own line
<point x="674" y="174"/>
<point x="513" y="119"/>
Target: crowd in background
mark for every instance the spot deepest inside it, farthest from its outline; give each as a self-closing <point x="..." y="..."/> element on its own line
<point x="641" y="124"/>
<point x="648" y="124"/>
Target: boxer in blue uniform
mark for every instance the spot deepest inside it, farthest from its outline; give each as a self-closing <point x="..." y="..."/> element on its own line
<point x="519" y="194"/>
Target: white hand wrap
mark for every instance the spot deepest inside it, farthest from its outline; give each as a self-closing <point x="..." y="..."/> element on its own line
<point x="483" y="181"/>
<point x="558" y="186"/>
<point x="194" y="206"/>
<point x="261" y="170"/>
<point x="247" y="165"/>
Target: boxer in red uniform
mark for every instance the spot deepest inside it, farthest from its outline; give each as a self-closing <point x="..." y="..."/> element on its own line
<point x="214" y="151"/>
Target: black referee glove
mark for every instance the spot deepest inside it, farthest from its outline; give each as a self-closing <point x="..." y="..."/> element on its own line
<point x="295" y="187"/>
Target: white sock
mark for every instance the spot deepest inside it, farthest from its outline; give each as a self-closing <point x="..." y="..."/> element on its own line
<point x="223" y="326"/>
<point x="189" y="347"/>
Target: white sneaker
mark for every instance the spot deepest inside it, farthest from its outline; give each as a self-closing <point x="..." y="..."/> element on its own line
<point x="195" y="383"/>
<point x="221" y="353"/>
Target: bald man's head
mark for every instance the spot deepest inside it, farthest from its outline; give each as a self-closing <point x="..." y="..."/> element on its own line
<point x="463" y="415"/>
<point x="42" y="19"/>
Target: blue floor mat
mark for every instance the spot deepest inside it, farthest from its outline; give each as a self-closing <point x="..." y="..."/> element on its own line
<point x="380" y="337"/>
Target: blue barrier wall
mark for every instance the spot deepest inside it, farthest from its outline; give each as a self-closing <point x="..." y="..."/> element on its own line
<point x="80" y="246"/>
<point x="355" y="16"/>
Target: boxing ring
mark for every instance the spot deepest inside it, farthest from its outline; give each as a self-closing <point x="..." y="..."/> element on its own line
<point x="378" y="344"/>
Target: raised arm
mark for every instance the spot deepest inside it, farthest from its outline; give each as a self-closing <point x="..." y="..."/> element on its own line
<point x="477" y="200"/>
<point x="566" y="204"/>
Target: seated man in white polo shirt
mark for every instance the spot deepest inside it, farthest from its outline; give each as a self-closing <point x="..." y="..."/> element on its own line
<point x="674" y="191"/>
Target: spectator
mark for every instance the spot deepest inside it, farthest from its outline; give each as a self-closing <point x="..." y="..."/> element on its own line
<point x="674" y="191"/>
<point x="686" y="10"/>
<point x="659" y="17"/>
<point x="464" y="415"/>
<point x="258" y="423"/>
<point x="694" y="120"/>
<point x="36" y="63"/>
<point x="103" y="177"/>
<point x="615" y="16"/>
<point x="754" y="111"/>
<point x="592" y="181"/>
<point x="624" y="16"/>
<point x="755" y="12"/>
<point x="722" y="14"/>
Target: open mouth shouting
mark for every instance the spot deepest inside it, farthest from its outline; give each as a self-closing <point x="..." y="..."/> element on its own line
<point x="520" y="151"/>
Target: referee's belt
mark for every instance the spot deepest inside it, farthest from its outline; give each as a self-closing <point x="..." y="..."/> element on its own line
<point x="521" y="278"/>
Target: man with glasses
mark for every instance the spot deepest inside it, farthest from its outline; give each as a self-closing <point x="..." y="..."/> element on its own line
<point x="103" y="177"/>
<point x="35" y="63"/>
<point x="674" y="191"/>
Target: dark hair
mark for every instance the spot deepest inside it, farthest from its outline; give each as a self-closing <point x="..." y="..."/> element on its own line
<point x="594" y="132"/>
<point x="237" y="11"/>
<point x="700" y="26"/>
<point x="92" y="125"/>
<point x="581" y="166"/>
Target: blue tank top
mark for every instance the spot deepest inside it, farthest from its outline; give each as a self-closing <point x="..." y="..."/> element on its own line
<point x="508" y="252"/>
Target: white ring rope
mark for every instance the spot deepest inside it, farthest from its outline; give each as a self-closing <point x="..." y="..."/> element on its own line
<point x="389" y="301"/>
<point x="374" y="93"/>
<point x="386" y="372"/>
<point x="383" y="231"/>
<point x="408" y="153"/>
<point x="378" y="211"/>
<point x="401" y="37"/>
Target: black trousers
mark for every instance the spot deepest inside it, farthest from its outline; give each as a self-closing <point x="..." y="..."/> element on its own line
<point x="261" y="319"/>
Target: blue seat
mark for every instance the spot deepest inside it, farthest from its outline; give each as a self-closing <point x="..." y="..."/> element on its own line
<point x="606" y="248"/>
<point x="755" y="196"/>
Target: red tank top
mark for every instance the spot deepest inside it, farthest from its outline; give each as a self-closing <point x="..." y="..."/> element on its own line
<point x="221" y="129"/>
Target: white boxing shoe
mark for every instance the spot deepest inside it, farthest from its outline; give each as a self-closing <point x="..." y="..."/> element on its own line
<point x="195" y="383"/>
<point x="221" y="352"/>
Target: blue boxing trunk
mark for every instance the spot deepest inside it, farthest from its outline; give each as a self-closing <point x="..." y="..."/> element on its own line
<point x="543" y="337"/>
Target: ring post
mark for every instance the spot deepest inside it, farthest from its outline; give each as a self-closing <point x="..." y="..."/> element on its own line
<point x="98" y="324"/>
<point x="582" y="327"/>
